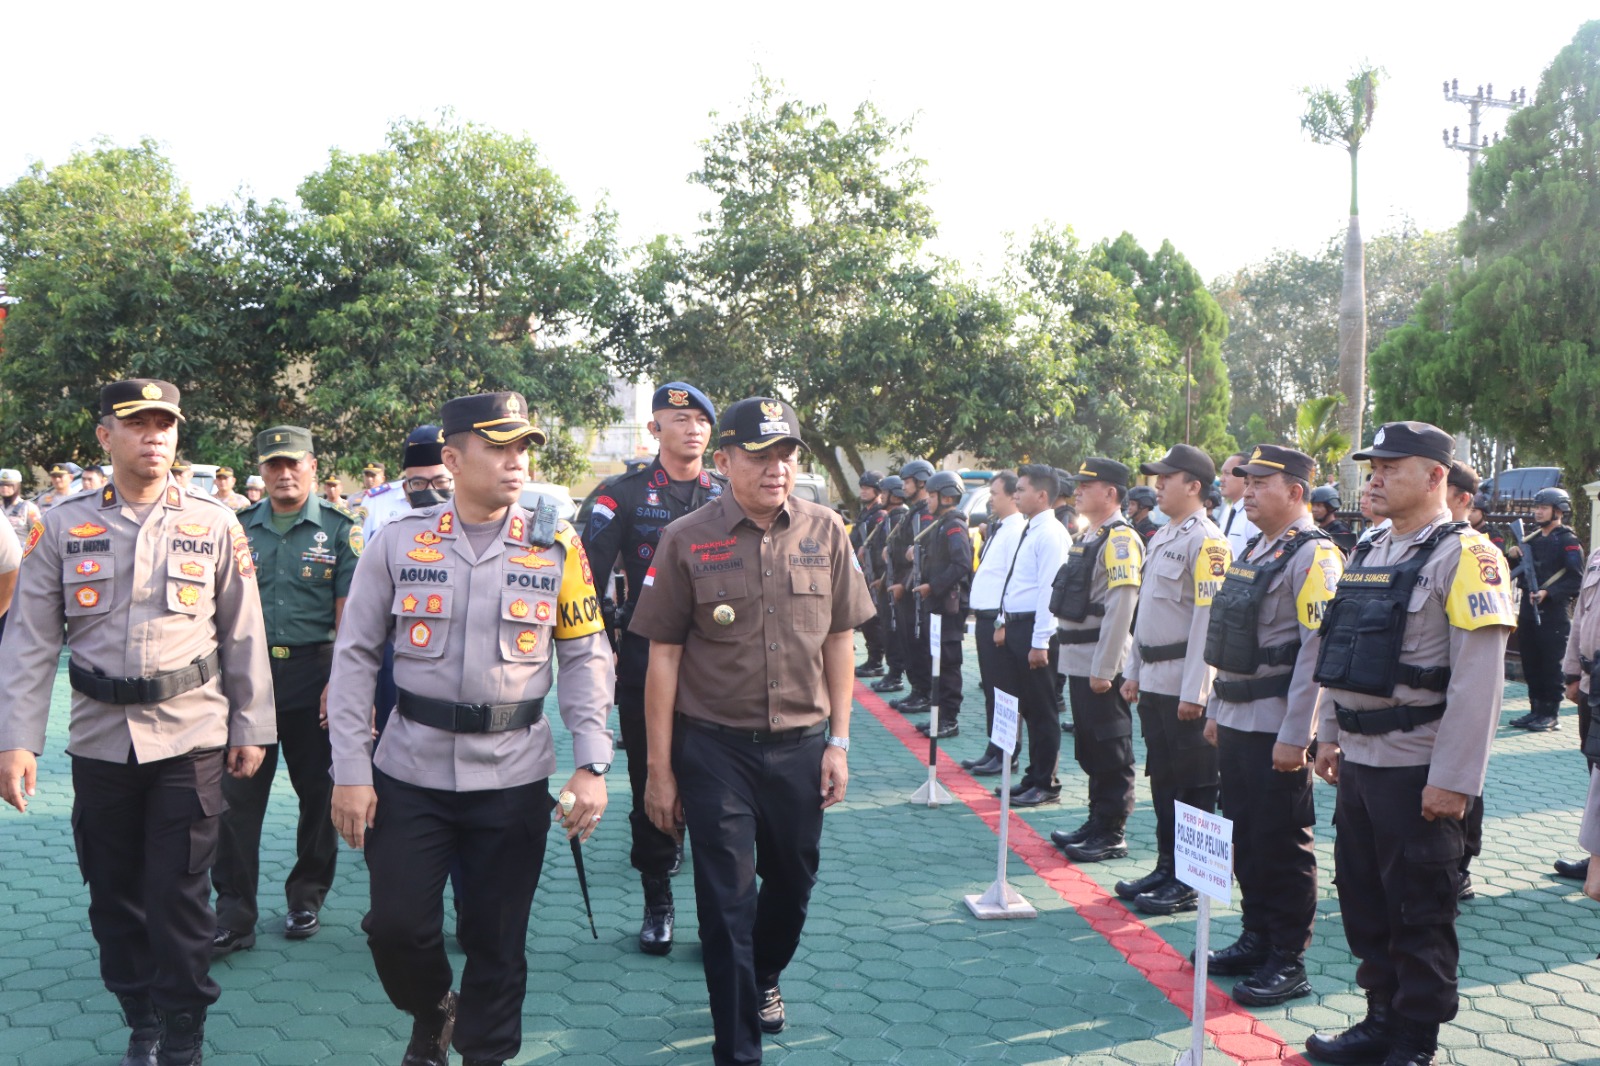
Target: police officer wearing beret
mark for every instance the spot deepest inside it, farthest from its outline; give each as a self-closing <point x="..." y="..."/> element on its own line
<point x="871" y="513"/>
<point x="155" y="592"/>
<point x="625" y="525"/>
<point x="1558" y="565"/>
<point x="1263" y="638"/>
<point x="1141" y="503"/>
<point x="945" y="565"/>
<point x="750" y="608"/>
<point x="61" y="476"/>
<point x="903" y="580"/>
<point x="1410" y="658"/>
<point x="875" y="566"/>
<point x="305" y="554"/>
<point x="479" y="599"/>
<point x="1166" y="674"/>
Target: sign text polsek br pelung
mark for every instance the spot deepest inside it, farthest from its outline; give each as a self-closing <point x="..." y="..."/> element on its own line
<point x="1203" y="850"/>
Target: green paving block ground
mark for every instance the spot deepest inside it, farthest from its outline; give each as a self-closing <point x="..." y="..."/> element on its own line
<point x="892" y="968"/>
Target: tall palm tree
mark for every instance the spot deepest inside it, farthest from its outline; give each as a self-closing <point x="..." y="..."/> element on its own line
<point x="1342" y="117"/>
<point x="1316" y="431"/>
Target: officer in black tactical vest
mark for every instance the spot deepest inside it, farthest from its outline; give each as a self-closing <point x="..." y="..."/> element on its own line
<point x="945" y="566"/>
<point x="1325" y="513"/>
<point x="902" y="567"/>
<point x="626" y="525"/>
<point x="870" y="489"/>
<point x="1141" y="503"/>
<point x="1263" y="639"/>
<point x="875" y="565"/>
<point x="1542" y="630"/>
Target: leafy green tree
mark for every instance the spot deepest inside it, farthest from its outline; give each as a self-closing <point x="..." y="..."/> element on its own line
<point x="450" y="261"/>
<point x="1317" y="433"/>
<point x="1513" y="345"/>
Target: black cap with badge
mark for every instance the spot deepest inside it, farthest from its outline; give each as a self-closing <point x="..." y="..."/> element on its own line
<point x="1096" y="468"/>
<point x="424" y="446"/>
<point x="497" y="417"/>
<point x="1184" y="458"/>
<point x="1397" y="440"/>
<point x="758" y="423"/>
<point x="1268" y="459"/>
<point x="125" y="398"/>
<point x="283" y="442"/>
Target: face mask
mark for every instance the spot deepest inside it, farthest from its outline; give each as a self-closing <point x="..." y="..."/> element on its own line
<point x="427" y="498"/>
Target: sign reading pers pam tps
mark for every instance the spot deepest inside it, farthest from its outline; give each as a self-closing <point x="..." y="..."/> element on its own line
<point x="1203" y="851"/>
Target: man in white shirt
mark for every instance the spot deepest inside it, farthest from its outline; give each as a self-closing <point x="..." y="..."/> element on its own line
<point x="1236" y="525"/>
<point x="1024" y="628"/>
<point x="994" y="563"/>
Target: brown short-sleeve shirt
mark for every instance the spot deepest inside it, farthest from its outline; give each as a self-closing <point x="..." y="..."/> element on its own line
<point x="751" y="609"/>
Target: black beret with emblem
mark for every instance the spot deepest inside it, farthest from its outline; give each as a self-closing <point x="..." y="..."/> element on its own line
<point x="1397" y="440"/>
<point x="497" y="417"/>
<point x="424" y="446"/>
<point x="1268" y="459"/>
<point x="1097" y="468"/>
<point x="679" y="396"/>
<point x="758" y="423"/>
<point x="283" y="442"/>
<point x="124" y="398"/>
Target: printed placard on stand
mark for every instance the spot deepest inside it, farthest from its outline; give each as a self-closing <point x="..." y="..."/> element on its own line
<point x="1001" y="900"/>
<point x="931" y="792"/>
<point x="1203" y="853"/>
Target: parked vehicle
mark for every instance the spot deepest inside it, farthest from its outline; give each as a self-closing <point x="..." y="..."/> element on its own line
<point x="1521" y="483"/>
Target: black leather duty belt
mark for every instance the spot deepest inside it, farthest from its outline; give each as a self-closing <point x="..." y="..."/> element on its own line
<point x="1078" y="636"/>
<point x="758" y="736"/>
<point x="1387" y="719"/>
<point x="469" y="717"/>
<point x="1160" y="653"/>
<point x="296" y="651"/>
<point x="1252" y="689"/>
<point x="154" y="689"/>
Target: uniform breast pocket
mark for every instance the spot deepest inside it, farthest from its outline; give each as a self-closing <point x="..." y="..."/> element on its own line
<point x="1279" y="599"/>
<point x="188" y="584"/>
<point x="723" y="607"/>
<point x="422" y="621"/>
<point x="811" y="597"/>
<point x="87" y="583"/>
<point x="1414" y="624"/>
<point x="1170" y="575"/>
<point x="527" y="623"/>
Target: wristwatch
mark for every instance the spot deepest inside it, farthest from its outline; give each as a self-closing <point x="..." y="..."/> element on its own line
<point x="842" y="743"/>
<point x="598" y="769"/>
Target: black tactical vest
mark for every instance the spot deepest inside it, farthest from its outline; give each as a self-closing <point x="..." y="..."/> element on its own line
<point x="1069" y="595"/>
<point x="1232" y="638"/>
<point x="1365" y="623"/>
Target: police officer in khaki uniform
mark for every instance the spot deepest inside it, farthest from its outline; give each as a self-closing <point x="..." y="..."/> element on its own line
<point x="93" y="479"/>
<point x="155" y="591"/>
<point x="1093" y="598"/>
<point x="750" y="609"/>
<point x="23" y="515"/>
<point x="372" y="479"/>
<point x="61" y="476"/>
<point x="10" y="562"/>
<point x="224" y="490"/>
<point x="479" y="598"/>
<point x="1410" y="657"/>
<point x="1166" y="674"/>
<point x="1263" y="639"/>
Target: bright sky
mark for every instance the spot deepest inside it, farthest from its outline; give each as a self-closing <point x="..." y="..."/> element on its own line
<point x="1169" y="120"/>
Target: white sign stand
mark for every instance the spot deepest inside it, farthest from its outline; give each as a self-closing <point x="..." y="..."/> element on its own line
<point x="1203" y="850"/>
<point x="1001" y="900"/>
<point x="931" y="792"/>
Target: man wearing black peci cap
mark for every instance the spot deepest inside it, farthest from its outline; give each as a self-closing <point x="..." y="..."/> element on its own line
<point x="625" y="525"/>
<point x="1263" y="638"/>
<point x="1410" y="660"/>
<point x="871" y="513"/>
<point x="480" y="599"/>
<point x="155" y="591"/>
<point x="750" y="609"/>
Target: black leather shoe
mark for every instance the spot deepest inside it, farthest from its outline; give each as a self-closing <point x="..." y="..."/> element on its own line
<point x="1061" y="838"/>
<point x="183" y="1037"/>
<point x="431" y="1030"/>
<point x="1099" y="846"/>
<point x="1545" y="723"/>
<point x="1139" y="885"/>
<point x="947" y="729"/>
<point x="1241" y="957"/>
<point x="1067" y="726"/>
<point x="990" y="754"/>
<point x="1367" y="1041"/>
<point x="771" y="1013"/>
<point x="1522" y="723"/>
<point x="892" y="683"/>
<point x="301" y="924"/>
<point x="227" y="941"/>
<point x="912" y="704"/>
<point x="869" y="670"/>
<point x="985" y="767"/>
<point x="1170" y="898"/>
<point x="1573" y="869"/>
<point x="1017" y="789"/>
<point x="655" y="935"/>
<point x="1464" y="889"/>
<point x="144" y="1039"/>
<point x="1036" y="797"/>
<point x="1282" y="977"/>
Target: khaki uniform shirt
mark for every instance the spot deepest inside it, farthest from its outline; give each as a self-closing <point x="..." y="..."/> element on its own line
<point x="469" y="628"/>
<point x="138" y="599"/>
<point x="234" y="501"/>
<point x="1116" y="584"/>
<point x="1460" y="613"/>
<point x="1291" y="611"/>
<point x="49" y="499"/>
<point x="1183" y="570"/>
<point x="751" y="609"/>
<point x="25" y="519"/>
<point x="10" y="549"/>
<point x="1584" y="641"/>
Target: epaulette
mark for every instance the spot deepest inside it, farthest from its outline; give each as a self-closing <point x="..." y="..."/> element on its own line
<point x="211" y="500"/>
<point x="379" y="491"/>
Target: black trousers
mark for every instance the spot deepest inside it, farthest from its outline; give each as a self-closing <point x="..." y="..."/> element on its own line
<point x="1036" y="702"/>
<point x="1543" y="644"/>
<point x="872" y="632"/>
<point x="913" y="644"/>
<point x="988" y="668"/>
<point x="653" y="851"/>
<point x="146" y="835"/>
<point x="1181" y="766"/>
<point x="1396" y="875"/>
<point x="752" y="811"/>
<point x="297" y="689"/>
<point x="498" y="835"/>
<point x="893" y="654"/>
<point x="1103" y="745"/>
<point x="1273" y="860"/>
<point x="954" y="625"/>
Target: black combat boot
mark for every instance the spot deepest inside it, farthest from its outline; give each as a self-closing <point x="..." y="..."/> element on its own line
<point x="655" y="935"/>
<point x="1367" y="1041"/>
<point x="430" y="1034"/>
<point x="1282" y="977"/>
<point x="182" y="1038"/>
<point x="891" y="683"/>
<point x="1411" y="1043"/>
<point x="145" y="1041"/>
<point x="1154" y="879"/>
<point x="1170" y="898"/>
<point x="1243" y="956"/>
<point x="1061" y="838"/>
<point x="1107" y="842"/>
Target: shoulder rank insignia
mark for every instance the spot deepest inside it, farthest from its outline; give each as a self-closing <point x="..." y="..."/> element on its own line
<point x="447" y="522"/>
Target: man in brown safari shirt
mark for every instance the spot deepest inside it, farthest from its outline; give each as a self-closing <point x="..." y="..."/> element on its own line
<point x="750" y="610"/>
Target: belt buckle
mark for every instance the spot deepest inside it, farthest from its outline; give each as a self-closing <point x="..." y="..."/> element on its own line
<point x="471" y="717"/>
<point x="498" y="718"/>
<point x="280" y="652"/>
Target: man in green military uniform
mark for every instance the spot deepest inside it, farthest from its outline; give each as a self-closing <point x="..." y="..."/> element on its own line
<point x="305" y="553"/>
